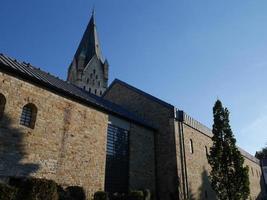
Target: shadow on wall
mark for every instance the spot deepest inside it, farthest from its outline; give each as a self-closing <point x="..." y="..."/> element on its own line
<point x="263" y="193"/>
<point x="204" y="191"/>
<point x="12" y="152"/>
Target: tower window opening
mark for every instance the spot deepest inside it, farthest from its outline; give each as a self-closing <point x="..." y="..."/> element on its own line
<point x="95" y="91"/>
<point x="94" y="71"/>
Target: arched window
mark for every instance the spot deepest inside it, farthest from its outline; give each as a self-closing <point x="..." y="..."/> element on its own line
<point x="2" y="105"/>
<point x="191" y="146"/>
<point x="28" y="115"/>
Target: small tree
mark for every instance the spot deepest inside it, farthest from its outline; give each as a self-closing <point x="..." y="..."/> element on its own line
<point x="229" y="178"/>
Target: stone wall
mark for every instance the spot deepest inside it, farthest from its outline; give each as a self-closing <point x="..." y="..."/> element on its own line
<point x="163" y="118"/>
<point x="198" y="167"/>
<point x="142" y="173"/>
<point x="67" y="144"/>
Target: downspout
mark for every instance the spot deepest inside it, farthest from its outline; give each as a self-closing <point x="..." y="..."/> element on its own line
<point x="183" y="156"/>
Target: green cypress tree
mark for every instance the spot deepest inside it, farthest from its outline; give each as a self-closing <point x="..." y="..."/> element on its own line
<point x="229" y="178"/>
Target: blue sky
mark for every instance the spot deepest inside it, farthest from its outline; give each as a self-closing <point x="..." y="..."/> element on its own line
<point x="188" y="53"/>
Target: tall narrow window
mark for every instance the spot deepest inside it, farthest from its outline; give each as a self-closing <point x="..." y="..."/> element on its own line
<point x="191" y="146"/>
<point x="117" y="160"/>
<point x="28" y="115"/>
<point x="207" y="151"/>
<point x="2" y="105"/>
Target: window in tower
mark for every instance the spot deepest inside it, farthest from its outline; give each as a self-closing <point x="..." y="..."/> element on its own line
<point x="99" y="84"/>
<point x="87" y="80"/>
<point x="95" y="91"/>
<point x="91" y="75"/>
<point x="96" y="77"/>
<point x="94" y="71"/>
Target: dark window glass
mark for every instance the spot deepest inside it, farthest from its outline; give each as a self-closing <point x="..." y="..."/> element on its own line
<point x="117" y="160"/>
<point x="191" y="146"/>
<point x="2" y="105"/>
<point x="95" y="91"/>
<point x="207" y="151"/>
<point x="94" y="71"/>
<point x="28" y="115"/>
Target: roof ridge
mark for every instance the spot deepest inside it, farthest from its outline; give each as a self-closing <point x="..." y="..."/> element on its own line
<point x="150" y="96"/>
<point x="50" y="82"/>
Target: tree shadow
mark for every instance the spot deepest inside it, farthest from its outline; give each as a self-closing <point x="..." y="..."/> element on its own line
<point x="263" y="193"/>
<point x="205" y="191"/>
<point x="12" y="152"/>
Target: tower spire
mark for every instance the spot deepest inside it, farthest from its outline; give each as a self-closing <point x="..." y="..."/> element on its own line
<point x="87" y="56"/>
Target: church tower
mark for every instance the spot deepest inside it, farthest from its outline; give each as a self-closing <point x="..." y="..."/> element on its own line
<point x="88" y="69"/>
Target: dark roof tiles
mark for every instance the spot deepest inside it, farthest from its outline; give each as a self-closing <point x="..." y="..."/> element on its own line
<point x="36" y="75"/>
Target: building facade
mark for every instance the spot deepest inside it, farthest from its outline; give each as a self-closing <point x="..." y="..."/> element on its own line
<point x="115" y="138"/>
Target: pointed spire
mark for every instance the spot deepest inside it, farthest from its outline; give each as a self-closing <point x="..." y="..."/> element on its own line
<point x="89" y="45"/>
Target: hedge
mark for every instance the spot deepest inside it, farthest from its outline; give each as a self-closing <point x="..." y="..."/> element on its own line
<point x="7" y="192"/>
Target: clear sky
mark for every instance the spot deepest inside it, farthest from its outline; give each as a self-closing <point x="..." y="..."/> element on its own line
<point x="188" y="53"/>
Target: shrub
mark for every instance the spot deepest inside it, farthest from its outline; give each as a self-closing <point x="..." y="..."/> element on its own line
<point x="7" y="192"/>
<point x="76" y="193"/>
<point x="100" y="195"/>
<point x="136" y="195"/>
<point x="118" y="196"/>
<point x="35" y="189"/>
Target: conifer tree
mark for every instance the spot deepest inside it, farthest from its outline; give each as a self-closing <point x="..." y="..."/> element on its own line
<point x="229" y="178"/>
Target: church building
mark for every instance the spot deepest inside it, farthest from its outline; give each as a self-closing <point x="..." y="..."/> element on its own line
<point x="114" y="138"/>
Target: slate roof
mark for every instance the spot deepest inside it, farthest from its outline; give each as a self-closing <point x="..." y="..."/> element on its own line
<point x="37" y="76"/>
